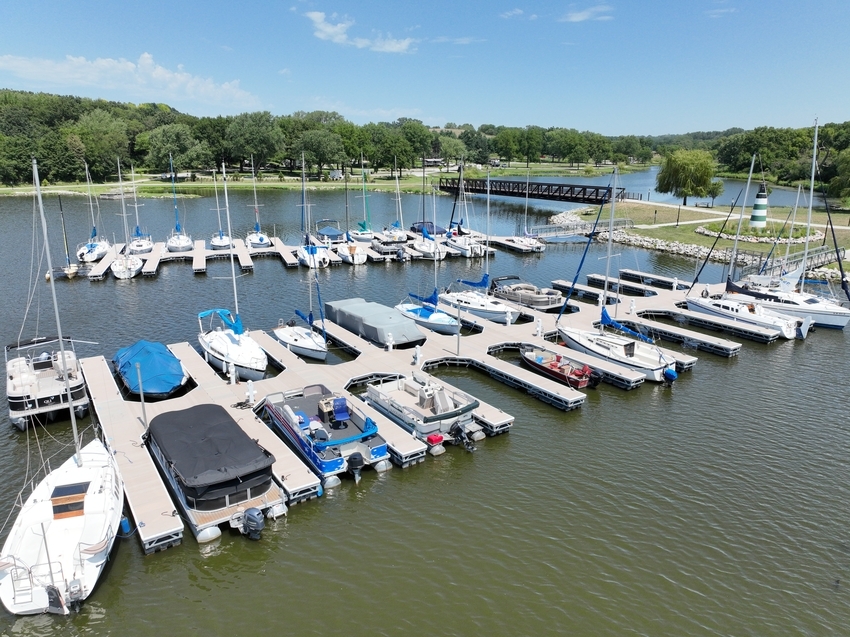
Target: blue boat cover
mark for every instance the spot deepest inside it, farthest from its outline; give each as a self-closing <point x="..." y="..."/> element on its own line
<point x="161" y="370"/>
<point x="330" y="232"/>
<point x="428" y="300"/>
<point x="230" y="322"/>
<point x="607" y="320"/>
<point x="483" y="283"/>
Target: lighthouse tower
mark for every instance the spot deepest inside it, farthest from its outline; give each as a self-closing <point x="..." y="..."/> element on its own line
<point x="758" y="217"/>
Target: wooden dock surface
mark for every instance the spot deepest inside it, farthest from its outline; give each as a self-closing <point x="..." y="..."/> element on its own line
<point x="153" y="510"/>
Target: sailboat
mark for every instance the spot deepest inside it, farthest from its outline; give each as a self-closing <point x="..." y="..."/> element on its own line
<point x="141" y="243"/>
<point x="428" y="246"/>
<point x="305" y="341"/>
<point x="394" y="238"/>
<point x="127" y="265"/>
<point x="527" y="242"/>
<point x="363" y="232"/>
<point x="640" y="355"/>
<point x="179" y="241"/>
<point x="351" y="251"/>
<point x="219" y="240"/>
<point x="476" y="302"/>
<point x="726" y="306"/>
<point x="227" y="344"/>
<point x="96" y="247"/>
<point x="309" y="255"/>
<point x="784" y="297"/>
<point x="65" y="530"/>
<point x="70" y="270"/>
<point x="257" y="238"/>
<point x="458" y="238"/>
<point x="427" y="314"/>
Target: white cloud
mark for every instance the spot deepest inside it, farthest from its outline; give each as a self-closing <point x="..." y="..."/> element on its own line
<point x="465" y="40"/>
<point x="598" y="12"/>
<point x="338" y="34"/>
<point x="144" y="80"/>
<point x="719" y="13"/>
<point x="510" y="14"/>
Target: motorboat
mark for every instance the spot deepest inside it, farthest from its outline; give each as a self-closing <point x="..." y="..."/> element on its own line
<point x="331" y="434"/>
<point x="560" y="368"/>
<point x="380" y="324"/>
<point x="512" y="288"/>
<point x="219" y="475"/>
<point x="162" y="373"/>
<point x="432" y="413"/>
<point x="466" y="244"/>
<point x="329" y="232"/>
<point x="36" y="371"/>
<point x="64" y="532"/>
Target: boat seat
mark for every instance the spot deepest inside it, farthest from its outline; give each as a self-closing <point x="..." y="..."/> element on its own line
<point x="320" y="435"/>
<point x="341" y="410"/>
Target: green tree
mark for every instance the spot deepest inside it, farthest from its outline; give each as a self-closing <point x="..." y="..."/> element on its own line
<point x="176" y="141"/>
<point x="321" y="147"/>
<point x="213" y="132"/>
<point x="507" y="143"/>
<point x="104" y="138"/>
<point x="418" y="136"/>
<point x="254" y="134"/>
<point x="531" y="143"/>
<point x="714" y="190"/>
<point x="598" y="147"/>
<point x="686" y="173"/>
<point x="478" y="146"/>
<point x="451" y="148"/>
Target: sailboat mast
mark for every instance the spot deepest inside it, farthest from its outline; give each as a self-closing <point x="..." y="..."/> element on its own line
<point x="347" y="220"/>
<point x="256" y="206"/>
<point x="64" y="362"/>
<point x="610" y="239"/>
<point x="487" y="253"/>
<point x="173" y="195"/>
<point x="740" y="221"/>
<point x="793" y="220"/>
<point x="126" y="250"/>
<point x="809" y="215"/>
<point x="64" y="234"/>
<point x="525" y="216"/>
<point x="230" y="234"/>
<point x="91" y="204"/>
<point x="217" y="206"/>
<point x="305" y="223"/>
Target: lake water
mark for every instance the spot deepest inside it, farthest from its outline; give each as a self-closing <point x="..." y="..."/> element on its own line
<point x="717" y="507"/>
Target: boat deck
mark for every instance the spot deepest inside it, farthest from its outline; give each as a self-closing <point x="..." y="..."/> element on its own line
<point x="654" y="280"/>
<point x="151" y="506"/>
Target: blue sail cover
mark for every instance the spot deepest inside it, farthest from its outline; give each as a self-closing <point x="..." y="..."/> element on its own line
<point x="428" y="300"/>
<point x="362" y="225"/>
<point x="308" y="319"/>
<point x="607" y="320"/>
<point x="426" y="234"/>
<point x="161" y="370"/>
<point x="483" y="283"/>
<point x="230" y="322"/>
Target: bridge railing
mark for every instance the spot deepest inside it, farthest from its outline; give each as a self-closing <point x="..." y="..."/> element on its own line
<point x="573" y="193"/>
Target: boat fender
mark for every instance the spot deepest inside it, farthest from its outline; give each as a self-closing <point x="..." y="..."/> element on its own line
<point x="670" y="376"/>
<point x="125" y="525"/>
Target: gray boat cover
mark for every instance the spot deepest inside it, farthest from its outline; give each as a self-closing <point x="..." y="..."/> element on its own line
<point x="211" y="453"/>
<point x="374" y="322"/>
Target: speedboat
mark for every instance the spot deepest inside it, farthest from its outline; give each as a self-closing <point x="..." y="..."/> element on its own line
<point x="432" y="413"/>
<point x="329" y="232"/>
<point x="218" y="474"/>
<point x="35" y="380"/>
<point x="328" y="432"/>
<point x="560" y="368"/>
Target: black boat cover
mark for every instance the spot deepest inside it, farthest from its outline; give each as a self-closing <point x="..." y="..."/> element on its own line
<point x="207" y="447"/>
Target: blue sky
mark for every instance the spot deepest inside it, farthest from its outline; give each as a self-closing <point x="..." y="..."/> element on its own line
<point x="615" y="67"/>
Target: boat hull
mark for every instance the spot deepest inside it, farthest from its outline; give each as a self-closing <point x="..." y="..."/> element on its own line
<point x="302" y="341"/>
<point x="481" y="305"/>
<point x="592" y="343"/>
<point x="250" y="367"/>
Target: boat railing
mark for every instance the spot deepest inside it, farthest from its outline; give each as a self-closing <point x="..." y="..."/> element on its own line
<point x="21" y="578"/>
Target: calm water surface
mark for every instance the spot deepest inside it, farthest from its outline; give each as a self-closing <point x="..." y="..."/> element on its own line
<point x="717" y="507"/>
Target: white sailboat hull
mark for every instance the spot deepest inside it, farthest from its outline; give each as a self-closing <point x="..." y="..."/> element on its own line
<point x="222" y="347"/>
<point x="351" y="253"/>
<point x="646" y="358"/>
<point x="745" y="313"/>
<point x="481" y="305"/>
<point x="302" y="341"/>
<point x="823" y="313"/>
<point x="126" y="267"/>
<point x="313" y="260"/>
<point x="467" y="246"/>
<point x="429" y="318"/>
<point x="220" y="242"/>
<point x="93" y="251"/>
<point x="77" y="532"/>
<point x="257" y="240"/>
<point x="179" y="243"/>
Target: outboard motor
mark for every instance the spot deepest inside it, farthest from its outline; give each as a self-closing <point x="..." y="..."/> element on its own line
<point x="670" y="376"/>
<point x="355" y="465"/>
<point x="75" y="594"/>
<point x="460" y="437"/>
<point x="595" y="379"/>
<point x="253" y="523"/>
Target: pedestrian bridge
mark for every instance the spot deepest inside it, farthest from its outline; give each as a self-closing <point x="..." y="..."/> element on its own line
<point x="571" y="193"/>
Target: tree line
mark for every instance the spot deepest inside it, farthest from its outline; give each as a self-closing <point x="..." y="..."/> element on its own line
<point x="66" y="132"/>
